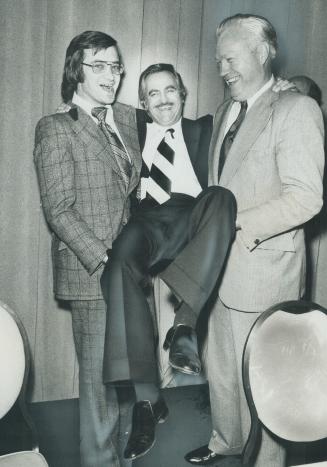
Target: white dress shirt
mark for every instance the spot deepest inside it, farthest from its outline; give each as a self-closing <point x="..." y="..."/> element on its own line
<point x="236" y="106"/>
<point x="183" y="177"/>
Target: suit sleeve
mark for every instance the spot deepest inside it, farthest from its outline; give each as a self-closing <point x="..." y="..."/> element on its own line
<point x="55" y="170"/>
<point x="299" y="155"/>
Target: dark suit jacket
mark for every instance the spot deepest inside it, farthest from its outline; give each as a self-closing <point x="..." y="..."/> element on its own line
<point x="197" y="135"/>
<point x="84" y="196"/>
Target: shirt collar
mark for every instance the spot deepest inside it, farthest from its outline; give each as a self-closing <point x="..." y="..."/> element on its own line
<point x="87" y="106"/>
<point x="264" y="88"/>
<point x="156" y="128"/>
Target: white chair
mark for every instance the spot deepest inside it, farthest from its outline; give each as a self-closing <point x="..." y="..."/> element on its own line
<point x="285" y="374"/>
<point x="14" y="370"/>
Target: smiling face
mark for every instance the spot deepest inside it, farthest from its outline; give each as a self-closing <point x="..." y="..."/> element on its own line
<point x="241" y="63"/>
<point x="163" y="99"/>
<point x="99" y="89"/>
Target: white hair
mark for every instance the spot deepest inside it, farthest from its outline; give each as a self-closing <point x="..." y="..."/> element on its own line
<point x="259" y="29"/>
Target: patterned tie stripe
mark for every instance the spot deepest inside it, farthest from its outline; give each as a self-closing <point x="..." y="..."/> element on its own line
<point x="166" y="151"/>
<point x="230" y="136"/>
<point x="117" y="147"/>
<point x="161" y="172"/>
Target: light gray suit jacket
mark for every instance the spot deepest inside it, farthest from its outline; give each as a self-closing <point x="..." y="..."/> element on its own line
<point x="84" y="196"/>
<point x="275" y="169"/>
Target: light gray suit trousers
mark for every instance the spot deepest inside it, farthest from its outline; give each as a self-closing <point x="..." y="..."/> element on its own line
<point x="228" y="330"/>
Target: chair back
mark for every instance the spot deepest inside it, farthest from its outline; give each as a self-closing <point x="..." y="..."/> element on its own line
<point x="14" y="372"/>
<point x="285" y="373"/>
<point x="12" y="359"/>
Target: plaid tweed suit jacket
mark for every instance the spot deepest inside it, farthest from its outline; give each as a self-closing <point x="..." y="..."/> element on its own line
<point x="84" y="196"/>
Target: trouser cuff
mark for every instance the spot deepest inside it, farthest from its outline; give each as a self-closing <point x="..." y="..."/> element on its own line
<point x="185" y="315"/>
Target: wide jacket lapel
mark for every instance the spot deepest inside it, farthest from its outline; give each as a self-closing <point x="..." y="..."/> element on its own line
<point x="192" y="136"/>
<point x="191" y="133"/>
<point x="254" y="123"/>
<point x="92" y="136"/>
<point x="142" y="118"/>
<point x="125" y="119"/>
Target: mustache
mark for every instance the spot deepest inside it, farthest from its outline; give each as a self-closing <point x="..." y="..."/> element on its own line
<point x="159" y="106"/>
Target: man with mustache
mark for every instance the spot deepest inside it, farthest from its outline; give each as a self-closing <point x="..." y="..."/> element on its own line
<point x="177" y="221"/>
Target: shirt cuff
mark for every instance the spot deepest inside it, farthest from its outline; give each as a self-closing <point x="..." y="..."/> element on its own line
<point x="102" y="262"/>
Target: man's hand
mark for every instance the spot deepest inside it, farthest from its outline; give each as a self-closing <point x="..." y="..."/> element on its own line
<point x="104" y="276"/>
<point x="283" y="85"/>
<point x="63" y="108"/>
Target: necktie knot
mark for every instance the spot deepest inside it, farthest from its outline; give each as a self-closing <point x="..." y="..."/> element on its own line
<point x="244" y="105"/>
<point x="99" y="113"/>
<point x="241" y="115"/>
<point x="117" y="147"/>
<point x="171" y="131"/>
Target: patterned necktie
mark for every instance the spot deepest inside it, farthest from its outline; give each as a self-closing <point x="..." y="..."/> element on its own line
<point x="117" y="146"/>
<point x="161" y="171"/>
<point x="230" y="136"/>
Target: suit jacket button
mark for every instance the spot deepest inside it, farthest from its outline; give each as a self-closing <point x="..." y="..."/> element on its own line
<point x="257" y="241"/>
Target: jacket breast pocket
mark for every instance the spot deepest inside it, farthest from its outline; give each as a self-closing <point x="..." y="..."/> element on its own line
<point x="283" y="242"/>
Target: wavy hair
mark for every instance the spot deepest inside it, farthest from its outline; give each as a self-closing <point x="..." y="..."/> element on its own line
<point x="260" y="29"/>
<point x="157" y="68"/>
<point x="73" y="69"/>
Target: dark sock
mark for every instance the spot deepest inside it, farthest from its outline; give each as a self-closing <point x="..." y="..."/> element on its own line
<point x="147" y="392"/>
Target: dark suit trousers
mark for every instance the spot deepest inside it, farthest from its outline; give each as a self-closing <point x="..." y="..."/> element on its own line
<point x="194" y="235"/>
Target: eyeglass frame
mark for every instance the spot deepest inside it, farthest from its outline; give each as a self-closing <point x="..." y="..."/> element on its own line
<point x="108" y="64"/>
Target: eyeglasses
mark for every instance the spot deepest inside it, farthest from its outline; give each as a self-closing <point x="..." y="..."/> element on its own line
<point x="102" y="67"/>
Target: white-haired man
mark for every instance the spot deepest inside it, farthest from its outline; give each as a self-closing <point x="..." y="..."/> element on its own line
<point x="267" y="148"/>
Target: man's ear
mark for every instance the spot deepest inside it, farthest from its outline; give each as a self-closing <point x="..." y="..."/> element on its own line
<point x="263" y="52"/>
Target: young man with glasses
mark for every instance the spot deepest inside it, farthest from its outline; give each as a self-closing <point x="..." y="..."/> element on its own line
<point x="88" y="162"/>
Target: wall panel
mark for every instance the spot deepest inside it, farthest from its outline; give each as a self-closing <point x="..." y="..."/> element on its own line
<point x="210" y="86"/>
<point x="160" y="32"/>
<point x="188" y="51"/>
<point x="121" y="19"/>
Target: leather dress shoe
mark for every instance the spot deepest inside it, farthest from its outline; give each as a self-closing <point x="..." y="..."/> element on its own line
<point x="144" y="420"/>
<point x="183" y="352"/>
<point x="204" y="456"/>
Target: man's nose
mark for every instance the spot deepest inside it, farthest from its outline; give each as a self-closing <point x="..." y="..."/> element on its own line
<point x="224" y="68"/>
<point x="163" y="97"/>
<point x="109" y="74"/>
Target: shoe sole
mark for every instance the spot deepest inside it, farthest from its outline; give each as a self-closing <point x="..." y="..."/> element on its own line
<point x="162" y="418"/>
<point x="142" y="454"/>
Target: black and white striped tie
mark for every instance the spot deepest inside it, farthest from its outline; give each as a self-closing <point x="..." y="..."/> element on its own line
<point x="161" y="171"/>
